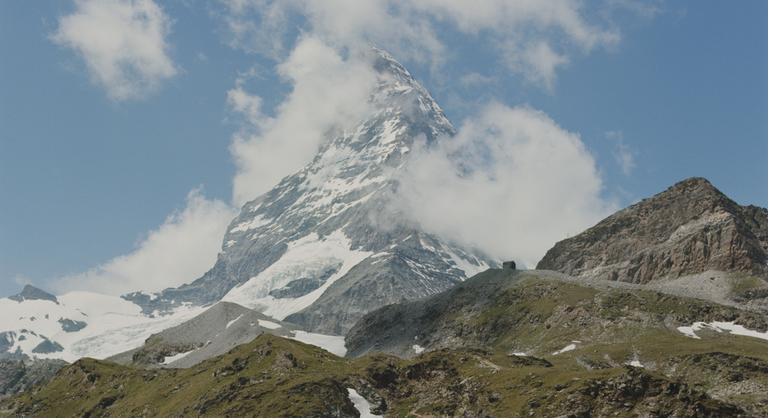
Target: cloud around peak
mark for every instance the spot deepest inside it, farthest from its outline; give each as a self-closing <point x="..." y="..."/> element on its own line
<point x="329" y="92"/>
<point x="533" y="39"/>
<point x="510" y="183"/>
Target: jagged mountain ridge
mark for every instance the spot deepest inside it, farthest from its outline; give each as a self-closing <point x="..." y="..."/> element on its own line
<point x="324" y="247"/>
<point x="689" y="228"/>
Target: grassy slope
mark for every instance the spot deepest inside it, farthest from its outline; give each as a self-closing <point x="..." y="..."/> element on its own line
<point x="272" y="376"/>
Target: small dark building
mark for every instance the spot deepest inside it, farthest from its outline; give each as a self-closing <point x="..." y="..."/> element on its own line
<point x="508" y="265"/>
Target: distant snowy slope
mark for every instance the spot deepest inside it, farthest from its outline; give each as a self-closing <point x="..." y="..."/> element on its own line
<point x="77" y="324"/>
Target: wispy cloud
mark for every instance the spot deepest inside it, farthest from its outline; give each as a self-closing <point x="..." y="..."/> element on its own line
<point x="476" y="79"/>
<point x="178" y="251"/>
<point x="122" y="42"/>
<point x="622" y="153"/>
<point x="524" y="32"/>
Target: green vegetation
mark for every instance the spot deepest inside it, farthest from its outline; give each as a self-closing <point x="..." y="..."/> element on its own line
<point x="717" y="375"/>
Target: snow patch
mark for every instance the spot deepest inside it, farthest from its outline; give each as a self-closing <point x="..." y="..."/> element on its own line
<point x="567" y="348"/>
<point x="417" y="348"/>
<point x="233" y="321"/>
<point x="731" y="327"/>
<point x="362" y="405"/>
<point x="254" y="223"/>
<point x="269" y="324"/>
<point x="470" y="269"/>
<point x="171" y="359"/>
<point x="331" y="343"/>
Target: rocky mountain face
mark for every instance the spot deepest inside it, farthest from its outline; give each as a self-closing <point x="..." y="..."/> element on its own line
<point x="21" y="373"/>
<point x="690" y="228"/>
<point x="30" y="292"/>
<point x="323" y="247"/>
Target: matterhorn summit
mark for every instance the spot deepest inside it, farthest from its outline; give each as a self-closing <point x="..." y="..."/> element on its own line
<point x="326" y="244"/>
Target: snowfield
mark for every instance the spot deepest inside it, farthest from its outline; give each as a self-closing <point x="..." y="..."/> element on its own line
<point x="305" y="257"/>
<point x="362" y="406"/>
<point x="111" y="325"/>
<point x="331" y="343"/>
<point x="730" y="327"/>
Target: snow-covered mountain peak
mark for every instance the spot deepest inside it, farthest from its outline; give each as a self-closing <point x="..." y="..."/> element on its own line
<point x="328" y="232"/>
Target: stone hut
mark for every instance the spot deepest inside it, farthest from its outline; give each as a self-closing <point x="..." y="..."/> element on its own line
<point x="508" y="265"/>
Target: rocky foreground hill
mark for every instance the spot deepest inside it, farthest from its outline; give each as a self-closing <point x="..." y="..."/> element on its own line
<point x="689" y="228"/>
<point x="275" y="377"/>
<point x="575" y="327"/>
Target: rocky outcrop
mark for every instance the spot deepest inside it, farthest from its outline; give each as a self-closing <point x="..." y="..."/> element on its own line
<point x="22" y="373"/>
<point x="214" y="332"/>
<point x="690" y="228"/>
<point x="633" y="393"/>
<point x="30" y="292"/>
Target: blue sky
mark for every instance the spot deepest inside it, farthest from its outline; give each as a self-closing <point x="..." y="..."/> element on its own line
<point x="85" y="176"/>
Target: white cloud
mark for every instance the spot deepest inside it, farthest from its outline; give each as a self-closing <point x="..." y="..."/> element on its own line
<point x="622" y="153"/>
<point x="330" y="92"/>
<point x="476" y="79"/>
<point x="538" y="63"/>
<point x="524" y="31"/>
<point x="123" y="44"/>
<point x="180" y="250"/>
<point x="511" y="183"/>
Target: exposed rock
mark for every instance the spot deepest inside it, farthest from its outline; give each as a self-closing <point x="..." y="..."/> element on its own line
<point x="30" y="292"/>
<point x="47" y="347"/>
<point x="18" y="375"/>
<point x="304" y="285"/>
<point x="728" y="377"/>
<point x="689" y="228"/>
<point x="633" y="393"/>
<point x="69" y="325"/>
<point x="528" y="361"/>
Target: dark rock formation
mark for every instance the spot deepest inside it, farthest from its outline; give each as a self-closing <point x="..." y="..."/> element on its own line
<point x="18" y="375"/>
<point x="47" y="347"/>
<point x="69" y="325"/>
<point x="30" y="292"/>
